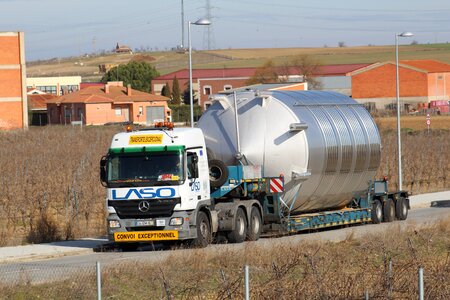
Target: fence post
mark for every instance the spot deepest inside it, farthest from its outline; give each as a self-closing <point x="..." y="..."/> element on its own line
<point x="247" y="287"/>
<point x="390" y="279"/>
<point x="99" y="282"/>
<point x="226" y="282"/>
<point x="421" y="290"/>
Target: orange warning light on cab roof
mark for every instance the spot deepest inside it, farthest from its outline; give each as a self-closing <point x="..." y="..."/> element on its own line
<point x="168" y="125"/>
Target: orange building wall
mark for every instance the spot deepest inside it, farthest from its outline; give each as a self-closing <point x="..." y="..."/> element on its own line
<point x="381" y="83"/>
<point x="438" y="86"/>
<point x="13" y="105"/>
<point x="10" y="83"/>
<point x="10" y="115"/>
<point x="294" y="87"/>
<point x="101" y="113"/>
<point x="10" y="50"/>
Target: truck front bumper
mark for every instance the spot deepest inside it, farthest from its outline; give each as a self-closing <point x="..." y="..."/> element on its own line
<point x="152" y="229"/>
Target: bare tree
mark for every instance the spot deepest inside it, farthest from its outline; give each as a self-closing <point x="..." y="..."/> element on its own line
<point x="307" y="67"/>
<point x="264" y="74"/>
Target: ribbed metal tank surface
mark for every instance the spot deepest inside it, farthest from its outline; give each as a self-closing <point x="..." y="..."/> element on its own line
<point x="324" y="165"/>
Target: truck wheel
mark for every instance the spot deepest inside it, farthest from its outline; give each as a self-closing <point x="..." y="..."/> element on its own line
<point x="203" y="231"/>
<point x="401" y="208"/>
<point x="389" y="210"/>
<point x="239" y="233"/>
<point x="218" y="172"/>
<point x="125" y="247"/>
<point x="254" y="230"/>
<point x="377" y="212"/>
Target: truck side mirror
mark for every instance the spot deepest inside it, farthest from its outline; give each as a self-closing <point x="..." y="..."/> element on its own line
<point x="195" y="165"/>
<point x="103" y="173"/>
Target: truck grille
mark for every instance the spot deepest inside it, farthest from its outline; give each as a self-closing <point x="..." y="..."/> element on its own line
<point x="129" y="209"/>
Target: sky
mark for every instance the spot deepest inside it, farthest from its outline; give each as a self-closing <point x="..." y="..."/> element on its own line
<point x="62" y="28"/>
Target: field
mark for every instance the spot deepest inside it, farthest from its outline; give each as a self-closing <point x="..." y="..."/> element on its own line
<point x="51" y="189"/>
<point x="169" y="61"/>
<point x="413" y="123"/>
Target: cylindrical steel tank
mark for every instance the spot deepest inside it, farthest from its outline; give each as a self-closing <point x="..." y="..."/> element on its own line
<point x="325" y="144"/>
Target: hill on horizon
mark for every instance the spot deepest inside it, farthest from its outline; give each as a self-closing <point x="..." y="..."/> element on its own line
<point x="165" y="62"/>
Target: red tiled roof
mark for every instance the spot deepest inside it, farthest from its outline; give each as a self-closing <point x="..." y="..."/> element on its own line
<point x="334" y="70"/>
<point x="39" y="101"/>
<point x="96" y="94"/>
<point x="84" y="85"/>
<point x="329" y="70"/>
<point x="429" y="65"/>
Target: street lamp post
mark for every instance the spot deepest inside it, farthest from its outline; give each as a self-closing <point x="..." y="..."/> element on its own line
<point x="399" y="143"/>
<point x="191" y="96"/>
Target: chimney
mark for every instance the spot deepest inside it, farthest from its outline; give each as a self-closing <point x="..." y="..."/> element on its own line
<point x="107" y="88"/>
<point x="129" y="90"/>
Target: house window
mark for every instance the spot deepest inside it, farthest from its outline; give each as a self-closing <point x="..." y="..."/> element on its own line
<point x="79" y="112"/>
<point x="207" y="90"/>
<point x="227" y="87"/>
<point x="67" y="89"/>
<point x="141" y="110"/>
<point x="50" y="89"/>
<point x="118" y="111"/>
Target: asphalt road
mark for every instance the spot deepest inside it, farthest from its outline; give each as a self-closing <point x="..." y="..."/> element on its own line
<point x="48" y="270"/>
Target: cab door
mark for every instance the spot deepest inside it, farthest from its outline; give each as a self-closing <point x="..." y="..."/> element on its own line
<point x="195" y="185"/>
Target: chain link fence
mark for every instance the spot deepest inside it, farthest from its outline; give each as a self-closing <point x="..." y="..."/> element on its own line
<point x="139" y="280"/>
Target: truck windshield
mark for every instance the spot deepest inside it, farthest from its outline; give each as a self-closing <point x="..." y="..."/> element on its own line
<point x="141" y="169"/>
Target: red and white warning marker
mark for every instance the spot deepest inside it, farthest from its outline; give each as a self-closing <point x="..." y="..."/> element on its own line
<point x="276" y="185"/>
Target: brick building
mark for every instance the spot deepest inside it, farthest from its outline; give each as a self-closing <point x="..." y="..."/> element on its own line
<point x="213" y="81"/>
<point x="110" y="103"/>
<point x="419" y="80"/>
<point x="13" y="93"/>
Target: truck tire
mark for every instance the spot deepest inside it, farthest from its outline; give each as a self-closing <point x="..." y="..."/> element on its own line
<point x="239" y="233"/>
<point x="377" y="212"/>
<point x="401" y="208"/>
<point x="126" y="247"/>
<point x="254" y="230"/>
<point x="389" y="210"/>
<point x="218" y="173"/>
<point x="203" y="231"/>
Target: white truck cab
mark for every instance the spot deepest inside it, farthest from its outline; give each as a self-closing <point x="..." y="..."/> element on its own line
<point x="157" y="186"/>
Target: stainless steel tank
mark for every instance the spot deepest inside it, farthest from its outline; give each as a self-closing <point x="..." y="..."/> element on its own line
<point x="325" y="144"/>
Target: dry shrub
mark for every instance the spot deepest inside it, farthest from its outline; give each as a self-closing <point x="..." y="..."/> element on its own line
<point x="425" y="160"/>
<point x="53" y="169"/>
<point x="45" y="230"/>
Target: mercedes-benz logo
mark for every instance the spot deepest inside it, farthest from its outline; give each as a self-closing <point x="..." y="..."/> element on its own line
<point x="144" y="206"/>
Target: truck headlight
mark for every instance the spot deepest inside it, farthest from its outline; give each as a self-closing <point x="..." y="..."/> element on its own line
<point x="114" y="224"/>
<point x="176" y="221"/>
